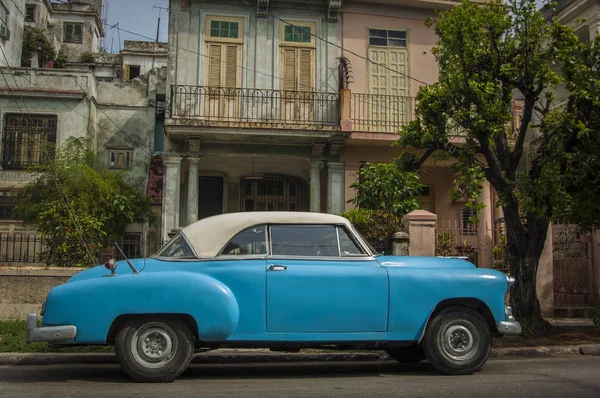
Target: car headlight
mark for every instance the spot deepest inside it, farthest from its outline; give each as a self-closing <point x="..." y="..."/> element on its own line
<point x="43" y="308"/>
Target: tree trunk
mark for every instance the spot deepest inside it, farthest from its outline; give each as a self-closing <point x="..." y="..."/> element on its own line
<point x="525" y="246"/>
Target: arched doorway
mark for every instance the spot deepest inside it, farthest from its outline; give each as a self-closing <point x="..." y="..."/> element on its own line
<point x="271" y="192"/>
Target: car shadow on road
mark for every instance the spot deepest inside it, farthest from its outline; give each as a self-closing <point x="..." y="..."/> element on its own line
<point x="255" y="371"/>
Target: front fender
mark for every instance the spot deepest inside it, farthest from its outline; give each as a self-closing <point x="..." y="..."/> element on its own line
<point x="93" y="304"/>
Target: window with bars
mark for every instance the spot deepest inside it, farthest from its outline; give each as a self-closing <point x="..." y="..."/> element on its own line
<point x="73" y="33"/>
<point x="27" y="139"/>
<point x="466" y="215"/>
<point x="387" y="38"/>
<point x="120" y="158"/>
<point x="30" y="13"/>
<point x="224" y="41"/>
<point x="8" y="203"/>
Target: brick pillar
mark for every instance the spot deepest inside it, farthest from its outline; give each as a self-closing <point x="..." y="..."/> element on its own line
<point x="420" y="226"/>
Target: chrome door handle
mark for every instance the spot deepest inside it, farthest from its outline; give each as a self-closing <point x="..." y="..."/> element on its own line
<point x="275" y="267"/>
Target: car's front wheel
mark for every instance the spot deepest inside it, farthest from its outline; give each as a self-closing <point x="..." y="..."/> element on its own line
<point x="457" y="341"/>
<point x="154" y="350"/>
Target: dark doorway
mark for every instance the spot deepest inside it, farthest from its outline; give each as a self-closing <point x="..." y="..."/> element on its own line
<point x="275" y="193"/>
<point x="210" y="197"/>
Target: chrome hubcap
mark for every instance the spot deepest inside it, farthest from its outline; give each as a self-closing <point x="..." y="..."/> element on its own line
<point x="154" y="344"/>
<point x="457" y="342"/>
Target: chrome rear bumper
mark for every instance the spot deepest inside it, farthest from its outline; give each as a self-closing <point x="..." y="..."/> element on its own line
<point x="51" y="334"/>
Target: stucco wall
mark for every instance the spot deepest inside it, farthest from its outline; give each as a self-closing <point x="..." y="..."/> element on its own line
<point x="145" y="61"/>
<point x="22" y="290"/>
<point x="358" y="18"/>
<point x="261" y="43"/>
<point x="12" y="46"/>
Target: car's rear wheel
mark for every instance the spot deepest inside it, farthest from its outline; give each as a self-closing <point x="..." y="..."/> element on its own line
<point x="457" y="341"/>
<point x="412" y="354"/>
<point x="154" y="349"/>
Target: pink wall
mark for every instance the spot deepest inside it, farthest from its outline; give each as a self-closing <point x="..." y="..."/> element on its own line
<point x="358" y="20"/>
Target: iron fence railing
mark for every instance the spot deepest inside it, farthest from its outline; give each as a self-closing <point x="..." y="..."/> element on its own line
<point x="30" y="249"/>
<point x="217" y="105"/>
<point x="381" y="113"/>
<point x="483" y="244"/>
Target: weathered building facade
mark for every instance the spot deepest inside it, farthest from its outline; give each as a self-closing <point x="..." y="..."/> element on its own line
<point x="261" y="115"/>
<point x="48" y="102"/>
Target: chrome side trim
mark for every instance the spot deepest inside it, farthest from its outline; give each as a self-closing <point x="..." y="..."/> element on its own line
<point x="51" y="334"/>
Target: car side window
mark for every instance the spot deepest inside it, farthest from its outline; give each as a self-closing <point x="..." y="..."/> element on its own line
<point x="348" y="247"/>
<point x="304" y="240"/>
<point x="250" y="241"/>
<point x="178" y="247"/>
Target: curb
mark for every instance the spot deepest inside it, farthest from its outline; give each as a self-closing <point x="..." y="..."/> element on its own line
<point x="262" y="356"/>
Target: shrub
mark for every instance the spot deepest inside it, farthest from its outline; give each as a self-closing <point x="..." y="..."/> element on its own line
<point x="384" y="186"/>
<point x="377" y="226"/>
<point x="87" y="58"/>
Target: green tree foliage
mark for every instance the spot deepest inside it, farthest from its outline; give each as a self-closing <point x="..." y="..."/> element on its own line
<point x="376" y="226"/>
<point x="35" y="41"/>
<point x="76" y="205"/>
<point x="385" y="186"/>
<point x="547" y="169"/>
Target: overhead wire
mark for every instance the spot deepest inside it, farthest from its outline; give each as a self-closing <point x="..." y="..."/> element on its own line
<point x="69" y="207"/>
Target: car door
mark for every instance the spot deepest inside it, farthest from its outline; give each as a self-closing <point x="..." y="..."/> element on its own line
<point x="314" y="287"/>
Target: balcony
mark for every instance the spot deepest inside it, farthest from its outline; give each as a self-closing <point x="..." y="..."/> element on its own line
<point x="380" y="113"/>
<point x="198" y="106"/>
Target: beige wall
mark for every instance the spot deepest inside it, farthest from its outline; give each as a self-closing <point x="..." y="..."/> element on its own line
<point x="23" y="289"/>
<point x="440" y="179"/>
<point x="358" y="19"/>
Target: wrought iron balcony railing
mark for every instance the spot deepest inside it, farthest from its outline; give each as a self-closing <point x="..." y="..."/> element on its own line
<point x="381" y="113"/>
<point x="254" y="107"/>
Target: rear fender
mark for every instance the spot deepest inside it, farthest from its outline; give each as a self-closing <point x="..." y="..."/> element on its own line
<point x="93" y="305"/>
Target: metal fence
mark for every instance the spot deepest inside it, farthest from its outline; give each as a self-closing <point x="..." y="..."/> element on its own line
<point x="573" y="267"/>
<point x="21" y="249"/>
<point x="483" y="244"/>
<point x="217" y="105"/>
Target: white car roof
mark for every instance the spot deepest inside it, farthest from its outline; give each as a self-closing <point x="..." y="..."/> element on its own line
<point x="209" y="235"/>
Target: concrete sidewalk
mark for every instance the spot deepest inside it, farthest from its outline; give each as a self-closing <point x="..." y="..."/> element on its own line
<point x="227" y="356"/>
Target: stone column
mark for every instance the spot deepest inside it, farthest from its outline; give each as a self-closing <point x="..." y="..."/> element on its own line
<point x="400" y="242"/>
<point x="171" y="193"/>
<point x="595" y="28"/>
<point x="420" y="226"/>
<point x="192" y="191"/>
<point x="315" y="186"/>
<point x="336" y="189"/>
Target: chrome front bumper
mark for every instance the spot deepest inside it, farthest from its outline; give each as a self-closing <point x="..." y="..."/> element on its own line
<point x="51" y="334"/>
<point x="510" y="326"/>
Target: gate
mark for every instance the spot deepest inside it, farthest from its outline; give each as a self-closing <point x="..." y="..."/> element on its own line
<point x="573" y="272"/>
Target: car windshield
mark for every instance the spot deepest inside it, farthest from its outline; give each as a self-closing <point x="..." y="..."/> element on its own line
<point x="371" y="248"/>
<point x="176" y="247"/>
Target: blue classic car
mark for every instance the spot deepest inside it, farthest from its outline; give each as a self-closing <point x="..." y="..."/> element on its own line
<point x="282" y="280"/>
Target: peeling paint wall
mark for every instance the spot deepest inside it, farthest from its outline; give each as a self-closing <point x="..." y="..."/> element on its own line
<point x="12" y="46"/>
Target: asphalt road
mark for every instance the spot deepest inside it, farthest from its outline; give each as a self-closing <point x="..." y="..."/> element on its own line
<point x="557" y="377"/>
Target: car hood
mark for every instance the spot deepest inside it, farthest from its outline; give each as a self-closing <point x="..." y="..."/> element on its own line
<point x="99" y="270"/>
<point x="423" y="262"/>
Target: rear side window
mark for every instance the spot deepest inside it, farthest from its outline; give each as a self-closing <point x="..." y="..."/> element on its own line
<point x="304" y="240"/>
<point x="177" y="248"/>
<point x="250" y="241"/>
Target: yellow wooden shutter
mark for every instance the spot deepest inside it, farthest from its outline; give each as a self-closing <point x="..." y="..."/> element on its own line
<point x="305" y="71"/>
<point x="231" y="67"/>
<point x="289" y="69"/>
<point x="126" y="72"/>
<point x="214" y="65"/>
